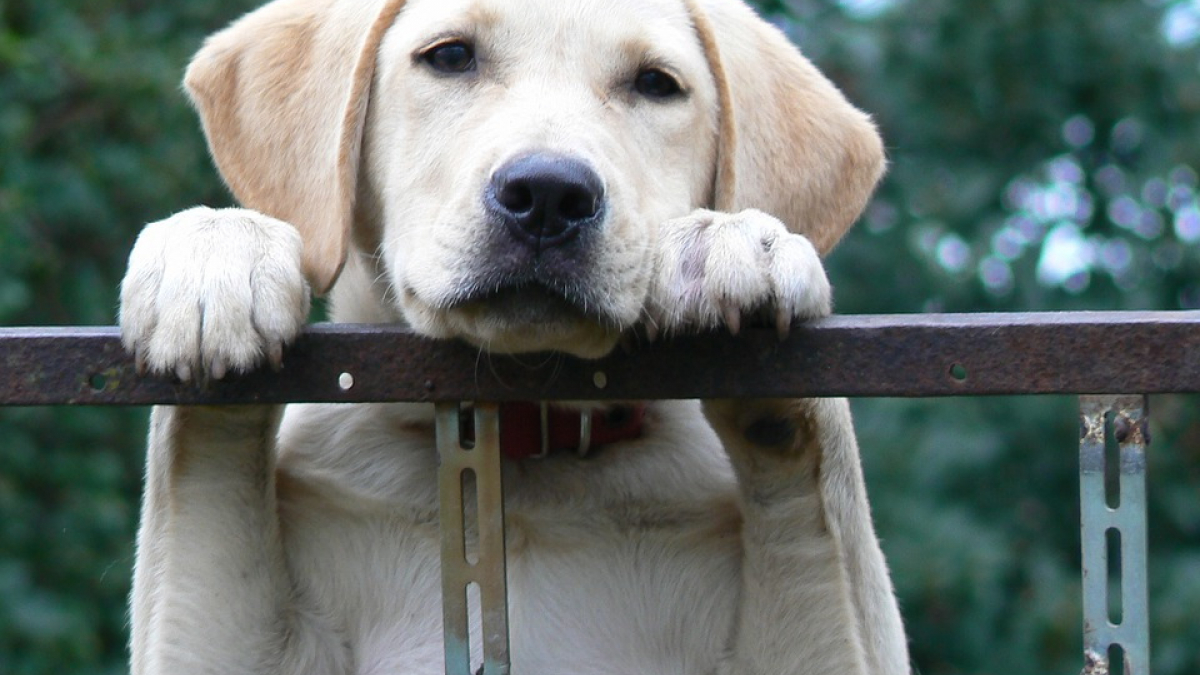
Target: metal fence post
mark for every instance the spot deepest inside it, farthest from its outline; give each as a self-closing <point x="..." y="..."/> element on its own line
<point x="1116" y="623"/>
<point x="474" y="585"/>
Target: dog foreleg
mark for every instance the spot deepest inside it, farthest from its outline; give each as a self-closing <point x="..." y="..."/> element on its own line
<point x="210" y="292"/>
<point x="816" y="596"/>
<point x="211" y="588"/>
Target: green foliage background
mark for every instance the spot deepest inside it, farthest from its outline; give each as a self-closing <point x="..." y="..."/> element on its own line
<point x="1044" y="156"/>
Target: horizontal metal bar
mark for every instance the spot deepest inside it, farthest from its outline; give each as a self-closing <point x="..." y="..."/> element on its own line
<point x="885" y="355"/>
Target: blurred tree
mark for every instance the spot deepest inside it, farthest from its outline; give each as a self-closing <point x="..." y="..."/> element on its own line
<point x="95" y="139"/>
<point x="1043" y="156"/>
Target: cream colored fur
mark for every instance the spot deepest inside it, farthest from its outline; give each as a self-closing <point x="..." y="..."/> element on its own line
<point x="734" y="537"/>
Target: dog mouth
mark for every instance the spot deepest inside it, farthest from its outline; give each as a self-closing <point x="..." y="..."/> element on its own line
<point x="530" y="317"/>
<point x="528" y="303"/>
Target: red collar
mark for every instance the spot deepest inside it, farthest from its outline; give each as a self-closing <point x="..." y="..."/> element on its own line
<point x="534" y="430"/>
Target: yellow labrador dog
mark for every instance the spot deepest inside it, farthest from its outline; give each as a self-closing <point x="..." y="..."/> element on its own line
<point x="523" y="175"/>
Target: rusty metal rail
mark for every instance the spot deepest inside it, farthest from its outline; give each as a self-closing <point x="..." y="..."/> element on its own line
<point x="1101" y="355"/>
<point x="885" y="355"/>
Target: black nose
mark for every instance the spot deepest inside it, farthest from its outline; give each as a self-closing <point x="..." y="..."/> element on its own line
<point x="545" y="200"/>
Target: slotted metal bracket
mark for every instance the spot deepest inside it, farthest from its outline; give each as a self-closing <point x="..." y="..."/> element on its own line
<point x="1113" y="510"/>
<point x="472" y="523"/>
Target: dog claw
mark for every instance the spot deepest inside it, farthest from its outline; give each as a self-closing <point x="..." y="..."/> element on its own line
<point x="651" y="331"/>
<point x="183" y="372"/>
<point x="733" y="318"/>
<point x="275" y="356"/>
<point x="218" y="370"/>
<point x="783" y="325"/>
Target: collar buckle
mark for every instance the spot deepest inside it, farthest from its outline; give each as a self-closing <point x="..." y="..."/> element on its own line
<point x="585" y="432"/>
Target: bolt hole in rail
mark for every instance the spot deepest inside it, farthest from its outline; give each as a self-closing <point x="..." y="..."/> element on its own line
<point x="1111" y="359"/>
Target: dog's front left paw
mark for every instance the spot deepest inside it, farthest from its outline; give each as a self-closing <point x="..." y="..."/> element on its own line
<point x="213" y="291"/>
<point x="714" y="269"/>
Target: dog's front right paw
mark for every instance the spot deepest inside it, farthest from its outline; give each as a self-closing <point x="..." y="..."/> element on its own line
<point x="210" y="291"/>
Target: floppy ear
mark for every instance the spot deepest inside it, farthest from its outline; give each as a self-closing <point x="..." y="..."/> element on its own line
<point x="282" y="94"/>
<point x="790" y="143"/>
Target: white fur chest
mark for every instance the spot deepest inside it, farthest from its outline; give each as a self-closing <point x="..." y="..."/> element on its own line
<point x="640" y="585"/>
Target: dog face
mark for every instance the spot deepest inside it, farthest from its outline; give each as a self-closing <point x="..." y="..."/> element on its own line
<point x="523" y="156"/>
<point x="500" y="168"/>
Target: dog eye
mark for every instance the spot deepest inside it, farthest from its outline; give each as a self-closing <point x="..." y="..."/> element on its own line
<point x="654" y="83"/>
<point x="451" y="57"/>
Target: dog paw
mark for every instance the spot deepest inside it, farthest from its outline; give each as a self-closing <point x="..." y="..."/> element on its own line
<point x="210" y="292"/>
<point x="714" y="269"/>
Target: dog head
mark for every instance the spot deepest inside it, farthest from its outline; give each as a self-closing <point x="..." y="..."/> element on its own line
<point x="497" y="170"/>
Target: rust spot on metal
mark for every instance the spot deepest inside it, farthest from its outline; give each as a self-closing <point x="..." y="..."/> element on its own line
<point x="1121" y="428"/>
<point x="1094" y="664"/>
<point x="106" y="381"/>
